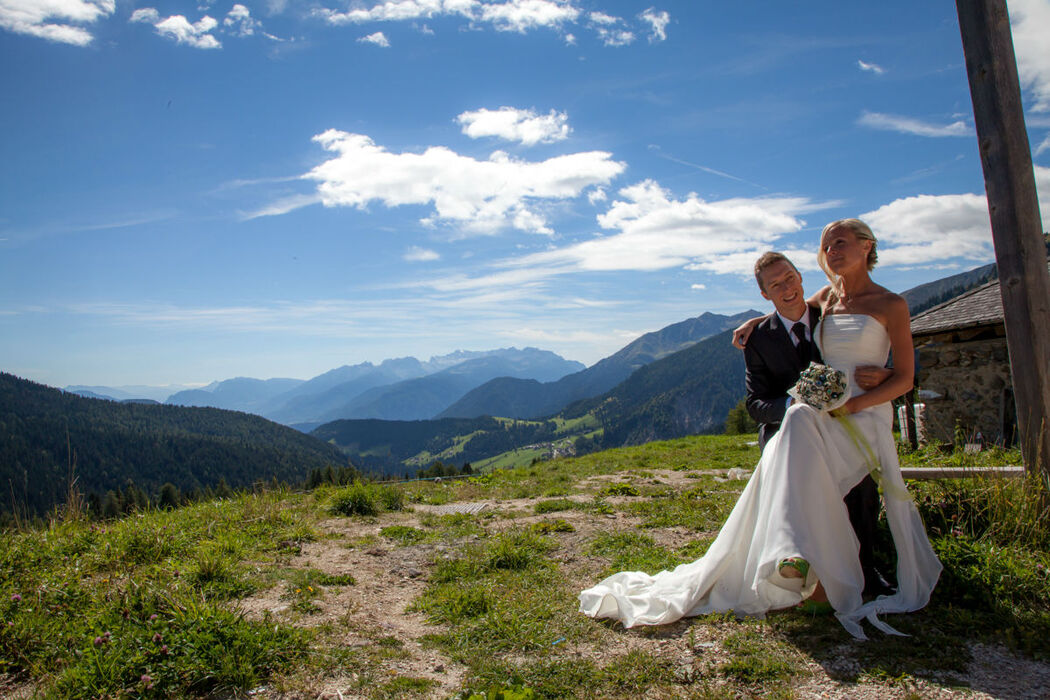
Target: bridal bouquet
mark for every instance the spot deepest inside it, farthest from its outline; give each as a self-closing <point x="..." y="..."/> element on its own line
<point x="822" y="387"/>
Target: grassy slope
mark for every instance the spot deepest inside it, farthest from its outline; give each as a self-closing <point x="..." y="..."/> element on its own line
<point x="146" y="606"/>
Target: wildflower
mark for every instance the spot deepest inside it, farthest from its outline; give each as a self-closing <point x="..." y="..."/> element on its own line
<point x="16" y="598"/>
<point x="153" y="617"/>
<point x="310" y="588"/>
<point x="98" y="641"/>
<point x="146" y="681"/>
<point x="164" y="649"/>
<point x="157" y="638"/>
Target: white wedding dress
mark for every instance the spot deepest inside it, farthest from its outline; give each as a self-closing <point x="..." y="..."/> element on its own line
<point x="792" y="506"/>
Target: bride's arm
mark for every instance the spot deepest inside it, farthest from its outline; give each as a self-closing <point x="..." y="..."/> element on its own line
<point x="898" y="326"/>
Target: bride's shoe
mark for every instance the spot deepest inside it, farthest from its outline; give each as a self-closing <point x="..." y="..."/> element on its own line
<point x="793" y="567"/>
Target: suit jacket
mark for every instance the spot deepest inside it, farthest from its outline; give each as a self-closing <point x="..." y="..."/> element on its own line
<point x="773" y="366"/>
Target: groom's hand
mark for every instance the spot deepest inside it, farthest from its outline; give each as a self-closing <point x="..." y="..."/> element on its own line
<point x="869" y="376"/>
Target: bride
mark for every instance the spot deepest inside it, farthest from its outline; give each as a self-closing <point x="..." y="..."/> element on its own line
<point x="789" y="537"/>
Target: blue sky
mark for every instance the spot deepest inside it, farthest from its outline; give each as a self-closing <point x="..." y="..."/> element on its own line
<point x="193" y="192"/>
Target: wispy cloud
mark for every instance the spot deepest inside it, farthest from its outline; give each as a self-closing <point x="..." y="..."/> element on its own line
<point x="871" y="67"/>
<point x="377" y="38"/>
<point x="909" y="125"/>
<point x="239" y="21"/>
<point x="283" y="206"/>
<point x="60" y="21"/>
<point x="1044" y="146"/>
<point x="417" y="254"/>
<point x="704" y="168"/>
<point x="522" y="125"/>
<point x="610" y="29"/>
<point x="658" y="22"/>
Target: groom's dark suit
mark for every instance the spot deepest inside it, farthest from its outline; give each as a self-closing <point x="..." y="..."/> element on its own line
<point x="773" y="365"/>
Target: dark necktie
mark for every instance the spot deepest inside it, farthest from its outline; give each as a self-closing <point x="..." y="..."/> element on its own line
<point x="803" y="347"/>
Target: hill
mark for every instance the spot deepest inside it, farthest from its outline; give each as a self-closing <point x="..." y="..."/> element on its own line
<point x="928" y="295"/>
<point x="239" y="394"/>
<point x="531" y="399"/>
<point x="687" y="393"/>
<point x="148" y="444"/>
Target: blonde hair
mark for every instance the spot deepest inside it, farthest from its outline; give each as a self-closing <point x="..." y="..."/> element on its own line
<point x="861" y="231"/>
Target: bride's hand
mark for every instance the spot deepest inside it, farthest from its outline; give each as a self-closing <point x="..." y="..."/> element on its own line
<point x="743" y="331"/>
<point x="846" y="409"/>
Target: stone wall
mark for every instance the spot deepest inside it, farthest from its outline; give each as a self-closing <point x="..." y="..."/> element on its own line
<point x="966" y="382"/>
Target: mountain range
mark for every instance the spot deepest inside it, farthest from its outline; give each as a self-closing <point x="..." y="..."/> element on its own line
<point x="521" y="398"/>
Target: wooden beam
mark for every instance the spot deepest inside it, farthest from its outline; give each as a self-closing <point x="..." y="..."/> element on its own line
<point x="1013" y="206"/>
<point x="960" y="472"/>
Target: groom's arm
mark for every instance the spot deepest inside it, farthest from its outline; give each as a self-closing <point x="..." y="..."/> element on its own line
<point x="766" y="403"/>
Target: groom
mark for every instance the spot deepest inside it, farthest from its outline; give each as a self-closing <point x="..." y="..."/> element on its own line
<point x="777" y="351"/>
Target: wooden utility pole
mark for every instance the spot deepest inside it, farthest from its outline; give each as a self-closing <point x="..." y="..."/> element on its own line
<point x="1020" y="250"/>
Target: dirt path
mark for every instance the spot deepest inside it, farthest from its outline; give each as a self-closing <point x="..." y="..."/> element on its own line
<point x="389" y="577"/>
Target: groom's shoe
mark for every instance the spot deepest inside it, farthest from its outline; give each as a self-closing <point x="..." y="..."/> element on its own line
<point x="875" y="584"/>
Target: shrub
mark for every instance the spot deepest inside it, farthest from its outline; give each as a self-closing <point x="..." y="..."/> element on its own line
<point x="356" y="499"/>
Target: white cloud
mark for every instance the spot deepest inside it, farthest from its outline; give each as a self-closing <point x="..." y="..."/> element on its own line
<point x="239" y="21"/>
<point x="871" y="67"/>
<point x="1029" y="20"/>
<point x="698" y="286"/>
<point x="377" y="38"/>
<point x="477" y="196"/>
<point x="908" y="125"/>
<point x="521" y="125"/>
<point x="417" y="254"/>
<point x="510" y="15"/>
<point x="931" y="228"/>
<point x="609" y="30"/>
<point x="1044" y="146"/>
<point x="522" y="15"/>
<point x="177" y="27"/>
<point x="602" y="18"/>
<point x="54" y="20"/>
<point x="926" y="228"/>
<point x="597" y="195"/>
<point x="658" y="22"/>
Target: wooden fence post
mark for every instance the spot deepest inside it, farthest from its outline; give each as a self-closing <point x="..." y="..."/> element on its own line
<point x="1013" y="206"/>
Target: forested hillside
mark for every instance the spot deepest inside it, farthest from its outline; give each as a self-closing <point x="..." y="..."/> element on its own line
<point x="687" y="393"/>
<point x="113" y="443"/>
<point x="397" y="447"/>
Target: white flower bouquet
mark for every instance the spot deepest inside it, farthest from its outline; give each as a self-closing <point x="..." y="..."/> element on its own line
<point x="822" y="387"/>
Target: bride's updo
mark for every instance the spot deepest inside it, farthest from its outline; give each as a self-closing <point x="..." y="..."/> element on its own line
<point x="859" y="229"/>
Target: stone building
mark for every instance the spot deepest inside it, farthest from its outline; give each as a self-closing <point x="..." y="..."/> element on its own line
<point x="963" y="372"/>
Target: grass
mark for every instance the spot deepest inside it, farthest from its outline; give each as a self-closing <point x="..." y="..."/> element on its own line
<point x="149" y="606"/>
